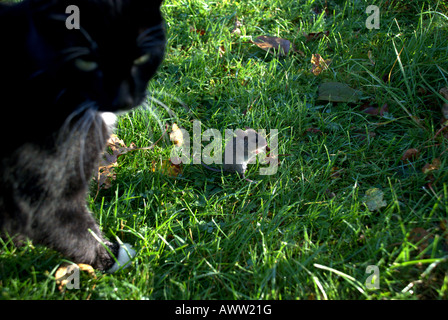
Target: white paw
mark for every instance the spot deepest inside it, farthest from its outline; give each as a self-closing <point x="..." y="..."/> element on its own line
<point x="125" y="254"/>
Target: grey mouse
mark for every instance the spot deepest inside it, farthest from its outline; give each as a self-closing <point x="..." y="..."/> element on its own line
<point x="240" y="151"/>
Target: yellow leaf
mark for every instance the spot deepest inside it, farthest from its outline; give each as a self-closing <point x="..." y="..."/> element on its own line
<point x="67" y="269"/>
<point x="176" y="136"/>
<point x="319" y="64"/>
<point x="167" y="168"/>
<point x="435" y="165"/>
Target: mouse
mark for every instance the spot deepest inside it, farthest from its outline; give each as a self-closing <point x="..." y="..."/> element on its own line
<point x="240" y="151"/>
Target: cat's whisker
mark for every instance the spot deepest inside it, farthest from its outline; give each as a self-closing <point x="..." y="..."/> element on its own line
<point x="89" y="119"/>
<point x="74" y="52"/>
<point x="160" y="103"/>
<point x="147" y="34"/>
<point x="65" y="128"/>
<point x="171" y="96"/>
<point x="71" y="130"/>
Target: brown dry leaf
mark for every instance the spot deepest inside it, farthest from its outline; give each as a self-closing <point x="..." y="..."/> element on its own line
<point x="410" y="154"/>
<point x="115" y="148"/>
<point x="336" y="173"/>
<point x="67" y="269"/>
<point x="105" y="176"/>
<point x="421" y="237"/>
<point x="435" y="165"/>
<point x="274" y="45"/>
<point x="313" y="130"/>
<point x="176" y="135"/>
<point x="167" y="168"/>
<point x="374" y="109"/>
<point x="198" y="31"/>
<point x="316" y="35"/>
<point x="319" y="64"/>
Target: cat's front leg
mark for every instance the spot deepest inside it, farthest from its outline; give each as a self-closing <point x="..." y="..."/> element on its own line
<point x="75" y="234"/>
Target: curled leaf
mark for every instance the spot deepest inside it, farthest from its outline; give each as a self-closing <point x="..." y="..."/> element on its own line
<point x="316" y="35"/>
<point x="319" y="64"/>
<point x="67" y="269"/>
<point x="115" y="148"/>
<point x="176" y="136"/>
<point x="273" y="45"/>
<point x="167" y="167"/>
<point x="435" y="165"/>
<point x="410" y="154"/>
<point x="421" y="238"/>
<point x="373" y="199"/>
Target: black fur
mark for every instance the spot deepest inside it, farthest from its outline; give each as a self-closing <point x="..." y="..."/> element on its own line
<point x="52" y="129"/>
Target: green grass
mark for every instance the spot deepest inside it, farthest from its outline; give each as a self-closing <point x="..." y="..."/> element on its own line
<point x="305" y="232"/>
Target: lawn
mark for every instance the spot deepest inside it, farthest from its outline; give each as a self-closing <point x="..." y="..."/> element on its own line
<point x="358" y="208"/>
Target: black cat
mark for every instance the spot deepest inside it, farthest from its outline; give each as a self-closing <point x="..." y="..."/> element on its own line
<point x="56" y="85"/>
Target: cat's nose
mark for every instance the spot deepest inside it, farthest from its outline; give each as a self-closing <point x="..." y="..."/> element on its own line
<point x="124" y="99"/>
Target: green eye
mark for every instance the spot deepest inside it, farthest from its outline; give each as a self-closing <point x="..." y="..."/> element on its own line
<point x="85" y="65"/>
<point x="143" y="59"/>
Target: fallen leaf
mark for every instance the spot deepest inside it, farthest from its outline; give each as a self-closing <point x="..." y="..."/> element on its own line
<point x="115" y="147"/>
<point x="106" y="175"/>
<point x="384" y="109"/>
<point x="176" y="135"/>
<point x="201" y="32"/>
<point x="67" y="269"/>
<point x="273" y="44"/>
<point x="371" y="110"/>
<point x="319" y="64"/>
<point x="374" y="110"/>
<point x="435" y="165"/>
<point x="316" y="35"/>
<point x="221" y="51"/>
<point x="337" y="92"/>
<point x="421" y="238"/>
<point x="373" y="199"/>
<point x="313" y="130"/>
<point x="166" y="167"/>
<point x="336" y="173"/>
<point x="410" y="154"/>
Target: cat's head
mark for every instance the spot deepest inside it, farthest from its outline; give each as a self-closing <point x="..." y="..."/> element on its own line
<point x="103" y="51"/>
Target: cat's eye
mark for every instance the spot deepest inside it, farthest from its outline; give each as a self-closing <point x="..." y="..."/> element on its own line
<point x="143" y="59"/>
<point x="85" y="65"/>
